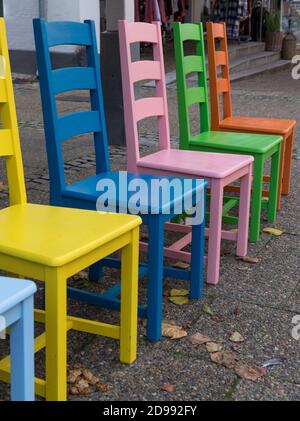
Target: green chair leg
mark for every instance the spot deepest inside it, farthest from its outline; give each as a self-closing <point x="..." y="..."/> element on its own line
<point x="274" y="184"/>
<point x="258" y="173"/>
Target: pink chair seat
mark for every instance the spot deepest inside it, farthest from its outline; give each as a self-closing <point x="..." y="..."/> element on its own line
<point x="204" y="164"/>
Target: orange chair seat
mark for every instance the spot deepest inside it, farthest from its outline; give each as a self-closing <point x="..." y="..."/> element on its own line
<point x="258" y="125"/>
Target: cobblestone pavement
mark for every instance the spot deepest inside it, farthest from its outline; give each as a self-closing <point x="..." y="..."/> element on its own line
<point x="259" y="301"/>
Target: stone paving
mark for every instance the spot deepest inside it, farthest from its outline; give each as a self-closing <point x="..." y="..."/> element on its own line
<point x="259" y="301"/>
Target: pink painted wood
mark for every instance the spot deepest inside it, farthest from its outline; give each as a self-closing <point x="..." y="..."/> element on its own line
<point x="219" y="170"/>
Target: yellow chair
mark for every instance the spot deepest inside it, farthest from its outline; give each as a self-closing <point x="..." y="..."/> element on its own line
<point x="51" y="244"/>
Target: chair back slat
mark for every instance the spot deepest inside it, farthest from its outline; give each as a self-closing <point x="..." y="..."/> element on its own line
<point x="71" y="79"/>
<point x="146" y="70"/>
<point x="55" y="82"/>
<point x="137" y="110"/>
<point x="10" y="148"/>
<point x="77" y="124"/>
<point x="219" y="84"/>
<point x="185" y="65"/>
<point x="68" y="33"/>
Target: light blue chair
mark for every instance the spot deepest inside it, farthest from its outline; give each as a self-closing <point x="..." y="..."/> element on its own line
<point x="16" y="312"/>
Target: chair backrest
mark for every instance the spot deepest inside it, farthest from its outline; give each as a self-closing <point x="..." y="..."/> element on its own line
<point x="132" y="72"/>
<point x="216" y="32"/>
<point x="185" y="66"/>
<point x="58" y="81"/>
<point x="9" y="133"/>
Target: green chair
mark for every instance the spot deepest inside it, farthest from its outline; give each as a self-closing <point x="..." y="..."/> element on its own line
<point x="261" y="147"/>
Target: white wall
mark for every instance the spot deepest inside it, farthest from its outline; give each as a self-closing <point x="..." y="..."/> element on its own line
<point x="19" y="14"/>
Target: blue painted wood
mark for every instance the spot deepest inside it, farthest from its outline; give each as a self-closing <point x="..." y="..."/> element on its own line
<point x="16" y="306"/>
<point x="73" y="78"/>
<point x="67" y="33"/>
<point x="77" y="124"/>
<point x="84" y="194"/>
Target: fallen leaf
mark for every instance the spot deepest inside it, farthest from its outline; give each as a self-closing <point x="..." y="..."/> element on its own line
<point x="217" y="318"/>
<point x="236" y="337"/>
<point x="179" y="292"/>
<point x="244" y="268"/>
<point x="83" y="387"/>
<point x="250" y="372"/>
<point x="74" y="391"/>
<point x="213" y="347"/>
<point x="273" y="231"/>
<point x="248" y="259"/>
<point x="198" y="339"/>
<point x="91" y="379"/>
<point x="73" y="376"/>
<point x="172" y="331"/>
<point x="168" y="388"/>
<point x="181" y="265"/>
<point x="102" y="387"/>
<point x="226" y="358"/>
<point x="207" y="310"/>
<point x="179" y="300"/>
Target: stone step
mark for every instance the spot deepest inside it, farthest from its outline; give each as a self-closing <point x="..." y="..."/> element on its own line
<point x="267" y="68"/>
<point x="252" y="61"/>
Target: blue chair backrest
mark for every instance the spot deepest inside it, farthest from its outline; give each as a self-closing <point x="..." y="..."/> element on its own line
<point x="54" y="82"/>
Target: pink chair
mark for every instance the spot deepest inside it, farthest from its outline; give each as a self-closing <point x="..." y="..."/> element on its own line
<point x="219" y="170"/>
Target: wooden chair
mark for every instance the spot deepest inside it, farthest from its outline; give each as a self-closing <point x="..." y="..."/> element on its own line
<point x="261" y="147"/>
<point x="51" y="244"/>
<point x="222" y="118"/>
<point x="84" y="194"/>
<point x="218" y="169"/>
<point x="16" y="311"/>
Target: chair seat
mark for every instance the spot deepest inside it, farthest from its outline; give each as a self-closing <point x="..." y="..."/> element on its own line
<point x="237" y="142"/>
<point x="56" y="236"/>
<point x="198" y="164"/>
<point x="156" y="204"/>
<point x="13" y="292"/>
<point x="257" y="124"/>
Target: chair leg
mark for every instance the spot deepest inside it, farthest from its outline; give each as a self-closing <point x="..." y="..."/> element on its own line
<point x="22" y="355"/>
<point x="244" y="212"/>
<point x="215" y="232"/>
<point x="197" y="258"/>
<point x="275" y="182"/>
<point x="280" y="176"/>
<point x="129" y="300"/>
<point x="155" y="278"/>
<point x="95" y="272"/>
<point x="56" y="335"/>
<point x="286" y="184"/>
<point x="258" y="173"/>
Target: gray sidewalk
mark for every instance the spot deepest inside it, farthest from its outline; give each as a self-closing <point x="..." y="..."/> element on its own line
<point x="257" y="300"/>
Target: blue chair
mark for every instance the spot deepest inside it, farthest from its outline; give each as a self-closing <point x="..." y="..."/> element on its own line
<point x="84" y="194"/>
<point x="16" y="312"/>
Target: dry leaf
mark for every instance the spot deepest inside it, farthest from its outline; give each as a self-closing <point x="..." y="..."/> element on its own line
<point x="250" y="372"/>
<point x="102" y="387"/>
<point x="91" y="379"/>
<point x="83" y="387"/>
<point x="207" y="310"/>
<point x="273" y="231"/>
<point x="74" y="391"/>
<point x="213" y="347"/>
<point x="226" y="358"/>
<point x="168" y="388"/>
<point x="73" y="376"/>
<point x="217" y="318"/>
<point x="198" y="339"/>
<point x="179" y="292"/>
<point x="248" y="259"/>
<point x="181" y="265"/>
<point x="179" y="300"/>
<point x="236" y="337"/>
<point x="172" y="331"/>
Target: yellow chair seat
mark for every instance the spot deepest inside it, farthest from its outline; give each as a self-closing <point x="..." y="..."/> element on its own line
<point x="55" y="236"/>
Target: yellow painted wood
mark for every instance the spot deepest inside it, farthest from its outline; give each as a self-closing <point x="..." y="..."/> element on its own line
<point x="51" y="244"/>
<point x="129" y="300"/>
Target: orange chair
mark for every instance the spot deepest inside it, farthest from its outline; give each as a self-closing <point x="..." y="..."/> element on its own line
<point x="220" y="85"/>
